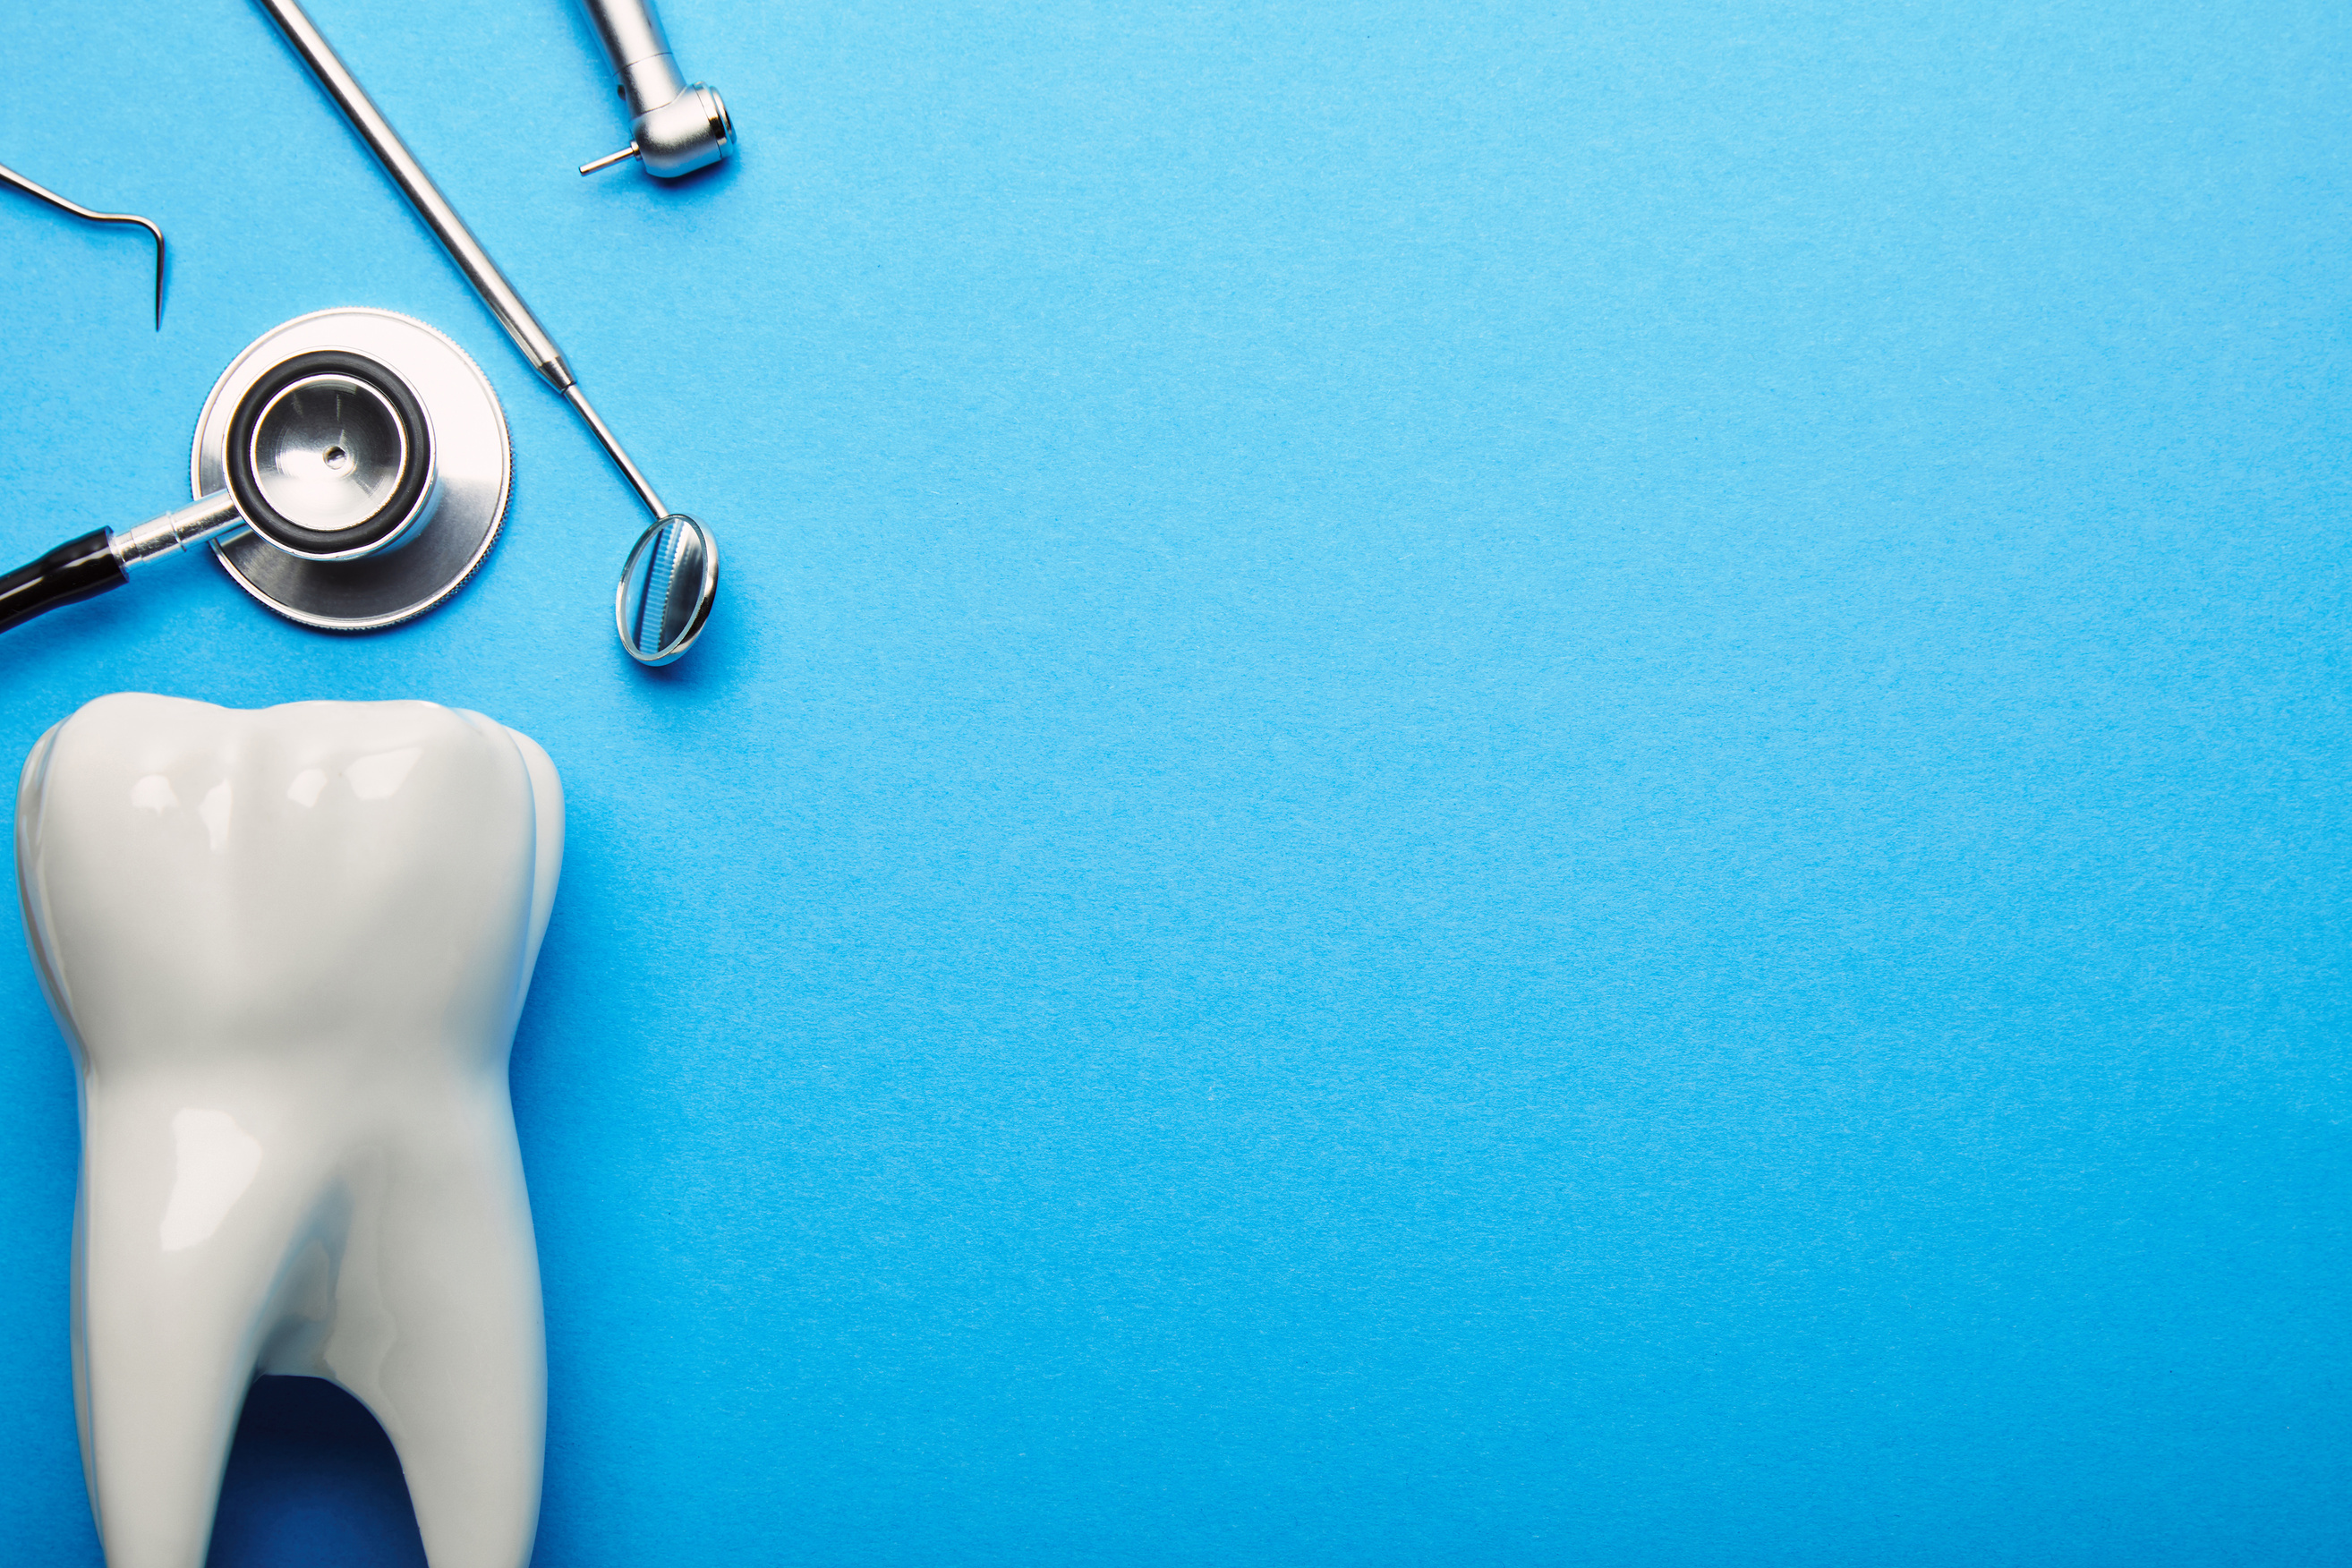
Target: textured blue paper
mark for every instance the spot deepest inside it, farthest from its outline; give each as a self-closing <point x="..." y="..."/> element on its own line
<point x="1504" y="784"/>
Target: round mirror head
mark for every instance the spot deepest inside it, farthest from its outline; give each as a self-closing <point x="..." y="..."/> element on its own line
<point x="666" y="589"/>
<point x="330" y="456"/>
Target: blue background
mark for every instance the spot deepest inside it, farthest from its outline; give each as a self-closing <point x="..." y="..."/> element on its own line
<point x="1480" y="783"/>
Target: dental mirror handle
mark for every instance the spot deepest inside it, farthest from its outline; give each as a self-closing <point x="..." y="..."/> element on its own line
<point x="409" y="175"/>
<point x="99" y="560"/>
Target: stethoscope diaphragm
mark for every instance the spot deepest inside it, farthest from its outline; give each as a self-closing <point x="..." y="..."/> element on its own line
<point x="412" y="570"/>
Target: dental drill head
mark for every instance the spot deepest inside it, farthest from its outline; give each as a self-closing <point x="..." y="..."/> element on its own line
<point x="287" y="949"/>
<point x="677" y="127"/>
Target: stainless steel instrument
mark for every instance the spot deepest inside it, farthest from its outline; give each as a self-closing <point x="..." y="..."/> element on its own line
<point x="676" y="127"/>
<point x="10" y="176"/>
<point x="688" y="593"/>
<point x="350" y="469"/>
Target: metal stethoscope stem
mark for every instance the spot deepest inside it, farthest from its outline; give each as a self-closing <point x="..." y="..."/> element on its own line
<point x="533" y="339"/>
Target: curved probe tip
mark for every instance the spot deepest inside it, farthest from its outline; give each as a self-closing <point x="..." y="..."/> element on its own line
<point x="10" y="176"/>
<point x="158" y="233"/>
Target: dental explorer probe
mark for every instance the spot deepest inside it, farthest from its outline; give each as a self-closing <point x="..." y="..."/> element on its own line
<point x="676" y="558"/>
<point x="10" y="176"/>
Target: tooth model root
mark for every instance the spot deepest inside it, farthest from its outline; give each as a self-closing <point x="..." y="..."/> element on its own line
<point x="287" y="949"/>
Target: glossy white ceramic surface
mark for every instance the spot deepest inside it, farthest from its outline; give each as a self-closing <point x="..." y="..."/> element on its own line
<point x="287" y="949"/>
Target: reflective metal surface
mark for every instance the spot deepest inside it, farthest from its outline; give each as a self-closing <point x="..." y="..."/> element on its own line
<point x="425" y="197"/>
<point x="339" y="434"/>
<point x="173" y="533"/>
<point x="679" y="128"/>
<point x="692" y="130"/>
<point x="472" y="464"/>
<point x="664" y="599"/>
<point x="639" y="51"/>
<point x="329" y="452"/>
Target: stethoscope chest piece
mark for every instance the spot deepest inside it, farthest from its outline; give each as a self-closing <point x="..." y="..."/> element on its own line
<point x="369" y="459"/>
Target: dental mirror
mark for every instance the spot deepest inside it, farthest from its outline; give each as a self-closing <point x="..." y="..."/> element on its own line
<point x="666" y="589"/>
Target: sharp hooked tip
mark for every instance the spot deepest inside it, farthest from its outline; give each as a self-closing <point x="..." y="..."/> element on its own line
<point x="159" y="273"/>
<point x="9" y="176"/>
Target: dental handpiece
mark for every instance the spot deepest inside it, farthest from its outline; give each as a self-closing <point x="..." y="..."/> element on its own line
<point x="683" y="539"/>
<point x="677" y="127"/>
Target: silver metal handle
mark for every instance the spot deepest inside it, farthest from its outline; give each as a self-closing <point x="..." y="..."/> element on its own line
<point x="633" y="36"/>
<point x="409" y="175"/>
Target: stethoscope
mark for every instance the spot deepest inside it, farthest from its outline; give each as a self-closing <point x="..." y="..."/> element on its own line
<point x="350" y="468"/>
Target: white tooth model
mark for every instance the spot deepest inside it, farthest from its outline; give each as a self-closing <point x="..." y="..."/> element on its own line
<point x="287" y="949"/>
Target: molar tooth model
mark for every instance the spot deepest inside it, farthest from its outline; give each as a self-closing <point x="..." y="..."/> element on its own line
<point x="287" y="949"/>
